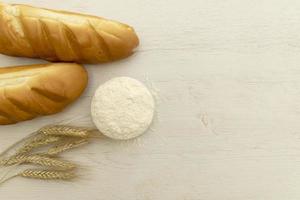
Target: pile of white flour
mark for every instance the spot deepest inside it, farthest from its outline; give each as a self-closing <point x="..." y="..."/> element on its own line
<point x="122" y="108"/>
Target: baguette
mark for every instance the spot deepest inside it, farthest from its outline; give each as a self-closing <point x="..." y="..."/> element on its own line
<point x="29" y="91"/>
<point x="63" y="36"/>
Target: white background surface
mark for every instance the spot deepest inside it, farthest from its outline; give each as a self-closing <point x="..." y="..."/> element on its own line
<point x="227" y="78"/>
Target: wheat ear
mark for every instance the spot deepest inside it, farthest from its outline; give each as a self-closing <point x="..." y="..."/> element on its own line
<point x="61" y="130"/>
<point x="66" y="146"/>
<point x="38" y="160"/>
<point x="36" y="142"/>
<point x="47" y="174"/>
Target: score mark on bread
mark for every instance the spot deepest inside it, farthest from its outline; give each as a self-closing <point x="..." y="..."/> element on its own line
<point x="63" y="36"/>
<point x="30" y="91"/>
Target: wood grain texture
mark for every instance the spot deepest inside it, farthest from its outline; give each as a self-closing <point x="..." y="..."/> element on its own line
<point x="227" y="78"/>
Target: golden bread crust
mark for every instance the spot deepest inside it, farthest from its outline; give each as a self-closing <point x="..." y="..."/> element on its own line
<point x="29" y="91"/>
<point x="63" y="36"/>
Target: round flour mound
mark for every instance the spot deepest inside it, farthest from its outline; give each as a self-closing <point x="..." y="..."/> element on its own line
<point x="122" y="108"/>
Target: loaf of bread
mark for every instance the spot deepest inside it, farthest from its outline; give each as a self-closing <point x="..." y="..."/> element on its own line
<point x="63" y="36"/>
<point x="30" y="91"/>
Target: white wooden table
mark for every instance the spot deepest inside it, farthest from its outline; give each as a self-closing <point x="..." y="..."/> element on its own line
<point x="226" y="74"/>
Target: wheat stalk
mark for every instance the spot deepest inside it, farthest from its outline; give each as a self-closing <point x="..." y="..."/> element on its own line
<point x="7" y="150"/>
<point x="38" y="160"/>
<point x="47" y="174"/>
<point x="66" y="146"/>
<point x="70" y="137"/>
<point x="61" y="130"/>
<point x="38" y="141"/>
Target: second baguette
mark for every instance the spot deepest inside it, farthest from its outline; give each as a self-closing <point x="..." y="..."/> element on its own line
<point x="29" y="91"/>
